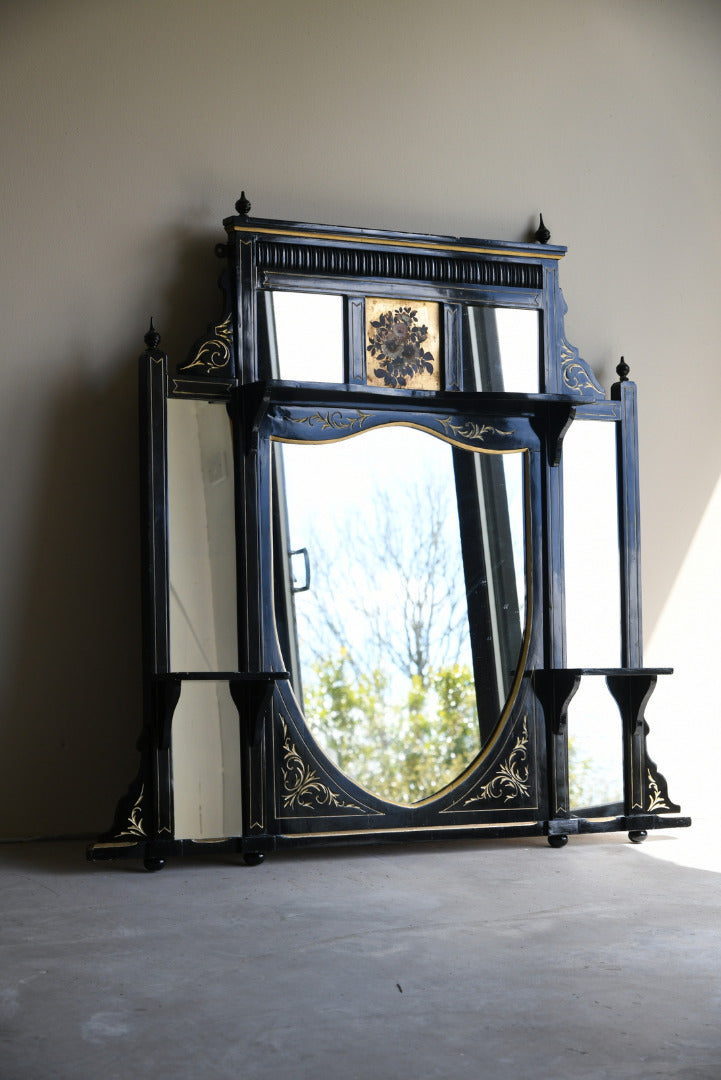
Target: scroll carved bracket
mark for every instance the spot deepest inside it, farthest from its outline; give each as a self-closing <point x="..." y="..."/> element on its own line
<point x="552" y="427"/>
<point x="251" y="697"/>
<point x="631" y="695"/>
<point x="129" y="824"/>
<point x="555" y="688"/>
<point x="658" y="799"/>
<point x="647" y="788"/>
<point x="213" y="354"/>
<point x="134" y="826"/>
<point x="253" y="402"/>
<point x="576" y="375"/>
<point x="167" y="697"/>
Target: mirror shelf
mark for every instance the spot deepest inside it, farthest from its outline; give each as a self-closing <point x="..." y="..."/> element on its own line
<point x="366" y="558"/>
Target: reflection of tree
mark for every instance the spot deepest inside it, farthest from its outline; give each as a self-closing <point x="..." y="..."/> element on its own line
<point x="391" y="583"/>
<point x="591" y="782"/>
<point x="383" y="632"/>
<point x="403" y="748"/>
<point x="580" y="777"/>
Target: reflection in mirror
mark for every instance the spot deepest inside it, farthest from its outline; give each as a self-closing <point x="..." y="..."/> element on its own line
<point x="301" y="337"/>
<point x="590" y="531"/>
<point x="206" y="763"/>
<point x="500" y="349"/>
<point x="401" y="658"/>
<point x="595" y="748"/>
<point x="201" y="537"/>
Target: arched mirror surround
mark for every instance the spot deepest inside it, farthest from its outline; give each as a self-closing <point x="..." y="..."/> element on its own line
<point x="354" y="538"/>
<point x="400" y="688"/>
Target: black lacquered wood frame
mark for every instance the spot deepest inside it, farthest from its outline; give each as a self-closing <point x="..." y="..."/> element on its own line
<point x="293" y="795"/>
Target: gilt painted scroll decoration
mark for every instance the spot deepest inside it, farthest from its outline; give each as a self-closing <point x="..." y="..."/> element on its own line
<point x="659" y="801"/>
<point x="511" y="780"/>
<point x="304" y="791"/>
<point x="214" y="352"/>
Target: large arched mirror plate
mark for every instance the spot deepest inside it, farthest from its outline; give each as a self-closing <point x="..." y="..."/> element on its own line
<point x="400" y="596"/>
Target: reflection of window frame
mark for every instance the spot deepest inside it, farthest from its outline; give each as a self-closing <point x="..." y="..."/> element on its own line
<point x="482" y="367"/>
<point x="283" y="592"/>
<point x="490" y="352"/>
<point x="496" y="634"/>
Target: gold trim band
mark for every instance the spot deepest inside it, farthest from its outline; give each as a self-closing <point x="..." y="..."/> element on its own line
<point x="420" y="828"/>
<point x="349" y="238"/>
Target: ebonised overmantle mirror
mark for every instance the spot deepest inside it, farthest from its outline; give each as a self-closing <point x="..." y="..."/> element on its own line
<point x="369" y="592"/>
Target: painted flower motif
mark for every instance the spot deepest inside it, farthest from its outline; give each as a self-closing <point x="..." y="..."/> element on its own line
<point x="397" y="347"/>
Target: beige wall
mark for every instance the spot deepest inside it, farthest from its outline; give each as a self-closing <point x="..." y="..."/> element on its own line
<point x="128" y="130"/>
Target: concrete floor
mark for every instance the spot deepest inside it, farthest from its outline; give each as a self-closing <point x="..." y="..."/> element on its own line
<point x="496" y="959"/>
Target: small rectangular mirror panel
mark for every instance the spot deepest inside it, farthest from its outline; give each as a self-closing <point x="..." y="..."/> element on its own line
<point x="500" y="349"/>
<point x="201" y="537"/>
<point x="305" y="336"/>
<point x="591" y="545"/>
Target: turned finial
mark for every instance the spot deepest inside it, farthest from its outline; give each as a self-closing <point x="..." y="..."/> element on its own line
<point x="622" y="370"/>
<point x="243" y="205"/>
<point x="542" y="234"/>
<point x="152" y="337"/>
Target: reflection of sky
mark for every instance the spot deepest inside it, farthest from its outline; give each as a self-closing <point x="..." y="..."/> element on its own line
<point x="335" y="494"/>
<point x="517" y="330"/>
<point x="596" y="736"/>
<point x="593" y="598"/>
<point x="309" y="335"/>
<point x="328" y="481"/>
